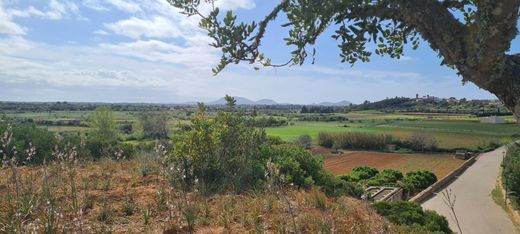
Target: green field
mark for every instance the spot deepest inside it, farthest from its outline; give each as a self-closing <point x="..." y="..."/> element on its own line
<point x="449" y="133"/>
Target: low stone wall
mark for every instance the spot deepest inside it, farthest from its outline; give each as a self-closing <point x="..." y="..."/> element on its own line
<point x="425" y="194"/>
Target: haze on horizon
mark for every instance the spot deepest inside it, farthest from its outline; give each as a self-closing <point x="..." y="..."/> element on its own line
<point x="147" y="52"/>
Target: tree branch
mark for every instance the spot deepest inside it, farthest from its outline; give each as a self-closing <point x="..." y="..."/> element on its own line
<point x="431" y="18"/>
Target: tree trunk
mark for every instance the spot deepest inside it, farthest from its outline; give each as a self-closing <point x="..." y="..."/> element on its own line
<point x="507" y="86"/>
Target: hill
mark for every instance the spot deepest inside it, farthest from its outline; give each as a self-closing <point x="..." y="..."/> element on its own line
<point x="245" y="102"/>
<point x="341" y="103"/>
<point x="430" y="104"/>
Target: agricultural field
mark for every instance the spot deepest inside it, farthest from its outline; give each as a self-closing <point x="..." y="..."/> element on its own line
<point x="121" y="117"/>
<point x="450" y="133"/>
<point x="339" y="164"/>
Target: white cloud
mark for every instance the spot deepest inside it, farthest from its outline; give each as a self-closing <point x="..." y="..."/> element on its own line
<point x="7" y="26"/>
<point x="128" y="6"/>
<point x="158" y="51"/>
<point x="235" y="4"/>
<point x="156" y="27"/>
<point x="95" y="5"/>
<point x="101" y="32"/>
<point x="55" y="10"/>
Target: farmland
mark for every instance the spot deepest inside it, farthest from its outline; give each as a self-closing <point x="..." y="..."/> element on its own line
<point x="451" y="130"/>
<point x="439" y="164"/>
<point x="450" y="133"/>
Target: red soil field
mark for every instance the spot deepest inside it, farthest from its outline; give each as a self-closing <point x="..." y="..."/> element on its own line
<point x="338" y="164"/>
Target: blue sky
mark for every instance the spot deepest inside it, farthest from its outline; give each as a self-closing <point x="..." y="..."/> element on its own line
<point x="145" y="51"/>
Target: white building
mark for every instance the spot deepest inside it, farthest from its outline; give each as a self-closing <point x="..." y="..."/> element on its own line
<point x="493" y="120"/>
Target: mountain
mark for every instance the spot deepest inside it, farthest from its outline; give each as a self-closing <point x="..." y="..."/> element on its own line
<point x="266" y="102"/>
<point x="245" y="102"/>
<point x="342" y="103"/>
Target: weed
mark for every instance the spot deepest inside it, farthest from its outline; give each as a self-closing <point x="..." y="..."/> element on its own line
<point x="319" y="199"/>
<point x="105" y="213"/>
<point x="160" y="200"/>
<point x="129" y="206"/>
<point x="147" y="214"/>
<point x="88" y="202"/>
<point x="190" y="215"/>
<point x="145" y="171"/>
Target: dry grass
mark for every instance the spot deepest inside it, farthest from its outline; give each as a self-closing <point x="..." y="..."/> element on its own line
<point x="131" y="197"/>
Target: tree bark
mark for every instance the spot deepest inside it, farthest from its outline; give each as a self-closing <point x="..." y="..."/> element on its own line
<point x="506" y="86"/>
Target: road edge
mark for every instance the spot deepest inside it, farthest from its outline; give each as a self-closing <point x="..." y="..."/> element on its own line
<point x="513" y="213"/>
<point x="446" y="180"/>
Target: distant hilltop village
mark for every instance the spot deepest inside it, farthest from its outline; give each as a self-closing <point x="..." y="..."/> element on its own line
<point x="453" y="100"/>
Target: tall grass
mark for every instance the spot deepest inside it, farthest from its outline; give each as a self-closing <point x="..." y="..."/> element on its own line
<point x="355" y="140"/>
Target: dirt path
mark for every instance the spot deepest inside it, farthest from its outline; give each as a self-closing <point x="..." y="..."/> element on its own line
<point x="475" y="208"/>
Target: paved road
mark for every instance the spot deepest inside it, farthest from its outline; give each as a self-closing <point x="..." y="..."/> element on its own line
<point x="475" y="208"/>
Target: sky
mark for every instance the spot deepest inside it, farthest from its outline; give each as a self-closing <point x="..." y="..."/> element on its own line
<point x="147" y="52"/>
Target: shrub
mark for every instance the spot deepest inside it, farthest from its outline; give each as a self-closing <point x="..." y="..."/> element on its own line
<point x="388" y="177"/>
<point x="98" y="148"/>
<point x="305" y="141"/>
<point x="297" y="165"/>
<point x="338" y="187"/>
<point x="511" y="173"/>
<point x="224" y="153"/>
<point x="363" y="173"/>
<point x="415" y="181"/>
<point x="411" y="214"/>
<point x="41" y="139"/>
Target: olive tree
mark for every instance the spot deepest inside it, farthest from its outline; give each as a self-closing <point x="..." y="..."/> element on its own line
<point x="471" y="36"/>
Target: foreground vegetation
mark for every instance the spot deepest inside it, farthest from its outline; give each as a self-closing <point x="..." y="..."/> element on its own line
<point x="133" y="196"/>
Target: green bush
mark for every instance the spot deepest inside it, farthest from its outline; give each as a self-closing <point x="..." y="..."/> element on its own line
<point x="298" y="166"/>
<point x="415" y="181"/>
<point x="387" y="177"/>
<point x="41" y="139"/>
<point x="97" y="148"/>
<point x="412" y="215"/>
<point x="305" y="141"/>
<point x="511" y="172"/>
<point x="363" y="173"/>
<point x="223" y="153"/>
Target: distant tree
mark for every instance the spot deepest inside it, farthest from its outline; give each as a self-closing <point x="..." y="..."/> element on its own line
<point x="154" y="124"/>
<point x="305" y="141"/>
<point x="473" y="37"/>
<point x="304" y="110"/>
<point x="102" y="123"/>
<point x="231" y="102"/>
<point x="127" y="128"/>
